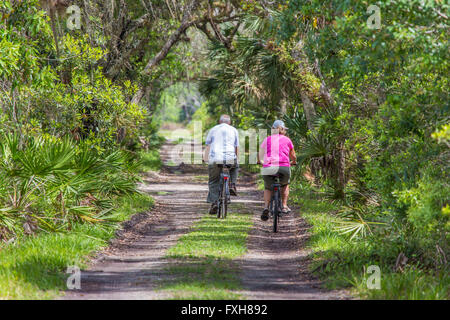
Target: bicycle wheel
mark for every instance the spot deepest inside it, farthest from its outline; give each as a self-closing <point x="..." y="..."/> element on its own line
<point x="271" y="206"/>
<point x="276" y="208"/>
<point x="219" y="202"/>
<point x="224" y="201"/>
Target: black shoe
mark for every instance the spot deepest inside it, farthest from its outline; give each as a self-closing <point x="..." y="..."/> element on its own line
<point x="213" y="209"/>
<point x="265" y="215"/>
<point x="233" y="190"/>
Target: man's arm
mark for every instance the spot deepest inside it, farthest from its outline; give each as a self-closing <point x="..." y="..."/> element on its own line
<point x="236" y="143"/>
<point x="208" y="142"/>
<point x="206" y="153"/>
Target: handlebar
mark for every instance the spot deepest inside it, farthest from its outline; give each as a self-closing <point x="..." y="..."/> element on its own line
<point x="293" y="163"/>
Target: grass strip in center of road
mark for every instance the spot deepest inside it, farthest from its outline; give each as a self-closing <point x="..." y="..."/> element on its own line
<point x="201" y="263"/>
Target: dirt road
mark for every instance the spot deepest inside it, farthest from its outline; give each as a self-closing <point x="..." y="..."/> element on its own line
<point x="275" y="266"/>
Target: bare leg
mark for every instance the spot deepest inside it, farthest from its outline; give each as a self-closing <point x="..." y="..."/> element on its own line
<point x="285" y="195"/>
<point x="267" y="196"/>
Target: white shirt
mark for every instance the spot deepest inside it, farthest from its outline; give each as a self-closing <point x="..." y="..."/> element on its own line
<point x="223" y="140"/>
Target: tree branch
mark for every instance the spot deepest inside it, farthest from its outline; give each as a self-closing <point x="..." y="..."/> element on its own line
<point x="176" y="36"/>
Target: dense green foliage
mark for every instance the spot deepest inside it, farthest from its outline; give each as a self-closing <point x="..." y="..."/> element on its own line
<point x="49" y="184"/>
<point x="35" y="267"/>
<point x="43" y="93"/>
<point x="368" y="111"/>
<point x="63" y="130"/>
<point x="367" y="108"/>
<point x="343" y="263"/>
<point x="70" y="135"/>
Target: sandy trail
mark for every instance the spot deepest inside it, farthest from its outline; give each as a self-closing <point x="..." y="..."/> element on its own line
<point x="275" y="266"/>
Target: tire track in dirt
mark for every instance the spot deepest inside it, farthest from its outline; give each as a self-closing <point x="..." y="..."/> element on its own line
<point x="133" y="266"/>
<point x="276" y="266"/>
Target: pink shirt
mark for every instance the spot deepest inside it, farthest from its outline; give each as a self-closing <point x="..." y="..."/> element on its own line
<point x="277" y="148"/>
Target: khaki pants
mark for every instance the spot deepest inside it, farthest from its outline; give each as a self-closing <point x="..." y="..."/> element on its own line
<point x="214" y="180"/>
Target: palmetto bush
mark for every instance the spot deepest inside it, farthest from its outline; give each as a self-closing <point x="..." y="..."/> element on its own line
<point x="48" y="183"/>
<point x="315" y="148"/>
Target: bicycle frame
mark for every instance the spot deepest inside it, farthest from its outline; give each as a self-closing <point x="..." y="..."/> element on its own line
<point x="224" y="192"/>
<point x="275" y="203"/>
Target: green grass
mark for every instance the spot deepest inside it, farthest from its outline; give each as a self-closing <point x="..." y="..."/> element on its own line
<point x="341" y="262"/>
<point x="202" y="265"/>
<point x="162" y="193"/>
<point x="177" y="134"/>
<point x="150" y="161"/>
<point x="203" y="278"/>
<point x="34" y="267"/>
<point x="201" y="178"/>
<point x="411" y="284"/>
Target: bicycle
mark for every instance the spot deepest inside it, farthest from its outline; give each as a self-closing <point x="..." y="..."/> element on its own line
<point x="224" y="191"/>
<point x="275" y="203"/>
<point x="275" y="206"/>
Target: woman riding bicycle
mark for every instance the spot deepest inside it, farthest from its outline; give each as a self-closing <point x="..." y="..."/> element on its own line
<point x="277" y="151"/>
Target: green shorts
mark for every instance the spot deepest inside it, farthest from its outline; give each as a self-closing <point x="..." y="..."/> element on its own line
<point x="269" y="179"/>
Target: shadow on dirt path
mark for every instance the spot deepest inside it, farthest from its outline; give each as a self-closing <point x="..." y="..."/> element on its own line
<point x="133" y="265"/>
<point x="276" y="264"/>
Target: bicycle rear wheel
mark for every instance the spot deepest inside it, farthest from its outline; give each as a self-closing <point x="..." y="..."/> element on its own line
<point x="219" y="206"/>
<point x="219" y="203"/>
<point x="276" y="208"/>
<point x="223" y="201"/>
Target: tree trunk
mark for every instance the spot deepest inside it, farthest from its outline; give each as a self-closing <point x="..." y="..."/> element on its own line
<point x="138" y="96"/>
<point x="310" y="112"/>
<point x="173" y="39"/>
<point x="340" y="179"/>
<point x="283" y="107"/>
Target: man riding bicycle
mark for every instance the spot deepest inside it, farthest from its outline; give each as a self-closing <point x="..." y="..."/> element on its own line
<point x="277" y="152"/>
<point x="222" y="144"/>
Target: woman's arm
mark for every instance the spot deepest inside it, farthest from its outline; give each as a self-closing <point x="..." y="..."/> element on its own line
<point x="293" y="156"/>
<point x="261" y="153"/>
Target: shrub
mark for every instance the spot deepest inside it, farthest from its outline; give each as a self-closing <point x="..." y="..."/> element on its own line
<point x="48" y="183"/>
